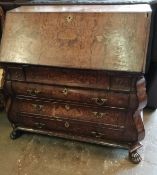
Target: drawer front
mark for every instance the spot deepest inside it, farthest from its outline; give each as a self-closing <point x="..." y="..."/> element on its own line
<point x="109" y="117"/>
<point x="16" y="73"/>
<point x="69" y="77"/>
<point x="73" y="77"/>
<point x="53" y="124"/>
<point x="78" y="128"/>
<point x="93" y="97"/>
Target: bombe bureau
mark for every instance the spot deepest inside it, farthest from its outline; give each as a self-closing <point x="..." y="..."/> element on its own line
<point x="76" y="71"/>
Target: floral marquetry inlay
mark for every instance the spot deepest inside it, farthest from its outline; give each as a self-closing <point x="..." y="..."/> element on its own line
<point x="80" y="38"/>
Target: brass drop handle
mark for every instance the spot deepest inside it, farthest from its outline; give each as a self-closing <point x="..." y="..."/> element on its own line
<point x="97" y="134"/>
<point x="36" y="92"/>
<point x="39" y="125"/>
<point x="99" y="114"/>
<point x="33" y="91"/>
<point x="65" y="91"/>
<point x="30" y="91"/>
<point x="38" y="107"/>
<point x="67" y="124"/>
<point x="99" y="101"/>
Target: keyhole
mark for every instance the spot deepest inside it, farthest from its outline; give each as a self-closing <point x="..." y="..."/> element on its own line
<point x="69" y="18"/>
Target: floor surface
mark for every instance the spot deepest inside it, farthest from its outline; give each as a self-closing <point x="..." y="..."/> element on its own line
<point x="41" y="155"/>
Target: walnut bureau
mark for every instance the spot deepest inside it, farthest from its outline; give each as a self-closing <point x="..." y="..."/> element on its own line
<point x="76" y="71"/>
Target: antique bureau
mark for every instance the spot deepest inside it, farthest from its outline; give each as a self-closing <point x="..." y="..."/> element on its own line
<point x="76" y="71"/>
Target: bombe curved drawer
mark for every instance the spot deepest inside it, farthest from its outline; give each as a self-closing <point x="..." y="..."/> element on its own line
<point x="76" y="95"/>
<point x="50" y="109"/>
<point x="68" y="126"/>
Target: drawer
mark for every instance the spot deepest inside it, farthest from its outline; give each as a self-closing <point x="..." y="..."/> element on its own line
<point x="89" y="96"/>
<point x="16" y="73"/>
<point x="108" y="116"/>
<point x="73" y="77"/>
<point x="66" y="126"/>
<point x="68" y="77"/>
<point x="53" y="124"/>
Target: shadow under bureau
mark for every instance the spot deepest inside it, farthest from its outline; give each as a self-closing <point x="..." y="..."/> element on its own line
<point x="77" y="72"/>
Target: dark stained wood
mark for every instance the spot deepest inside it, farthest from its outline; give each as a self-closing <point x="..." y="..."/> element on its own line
<point x="76" y="94"/>
<point x="83" y="95"/>
<point x="66" y="126"/>
<point x="52" y="109"/>
<point x="42" y="105"/>
<point x="38" y="97"/>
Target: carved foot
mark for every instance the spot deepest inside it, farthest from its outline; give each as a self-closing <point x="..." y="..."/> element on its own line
<point x="15" y="134"/>
<point x="135" y="157"/>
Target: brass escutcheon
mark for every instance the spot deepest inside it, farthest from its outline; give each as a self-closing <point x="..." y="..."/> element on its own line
<point x="38" y="107"/>
<point x="69" y="18"/>
<point x="67" y="107"/>
<point x="65" y="91"/>
<point x="66" y="125"/>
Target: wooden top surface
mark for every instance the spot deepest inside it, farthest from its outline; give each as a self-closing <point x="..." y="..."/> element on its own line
<point x="78" y="36"/>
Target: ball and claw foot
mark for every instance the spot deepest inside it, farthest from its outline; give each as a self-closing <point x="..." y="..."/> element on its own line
<point x="15" y="134"/>
<point x="135" y="157"/>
